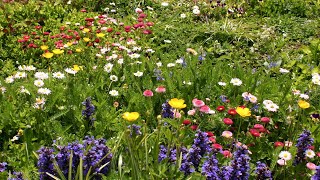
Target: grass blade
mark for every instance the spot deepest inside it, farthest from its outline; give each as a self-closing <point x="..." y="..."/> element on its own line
<point x="70" y="166"/>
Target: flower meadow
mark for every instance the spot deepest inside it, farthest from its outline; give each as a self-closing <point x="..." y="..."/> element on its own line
<point x="217" y="90"/>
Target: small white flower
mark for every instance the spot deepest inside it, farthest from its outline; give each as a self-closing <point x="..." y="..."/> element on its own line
<point x="288" y="143"/>
<point x="222" y="83"/>
<point x="136" y="48"/>
<point x="266" y="102"/>
<point x="134" y="56"/>
<point x="282" y="162"/>
<point x="120" y="61"/>
<point x="183" y="16"/>
<point x="171" y="65"/>
<point x="310" y="153"/>
<point x="3" y="89"/>
<point x="114" y="78"/>
<point x="38" y="83"/>
<point x="9" y="79"/>
<point x="138" y="10"/>
<point x="67" y="23"/>
<point x="196" y="11"/>
<point x="150" y="8"/>
<point x="30" y="68"/>
<point x="108" y="67"/>
<point x="40" y="101"/>
<point x="112" y="4"/>
<point x="296" y="92"/>
<point x="15" y="138"/>
<point x="138" y="74"/>
<point x="165" y="4"/>
<point x="304" y="96"/>
<point x="98" y="55"/>
<point x="159" y="64"/>
<point x="77" y="24"/>
<point x="114" y="93"/>
<point x="45" y="91"/>
<point x="104" y="50"/>
<point x="195" y="7"/>
<point x="236" y="81"/>
<point x="41" y="75"/>
<point x="150" y="51"/>
<point x="283" y="70"/>
<point x="167" y="41"/>
<point x="70" y="71"/>
<point x="252" y="98"/>
<point x="179" y="61"/>
<point x="285" y="155"/>
<point x="113" y="10"/>
<point x="20" y="75"/>
<point x="131" y="42"/>
<point x="272" y="107"/>
<point x="24" y="90"/>
<point x="187" y="83"/>
<point x="58" y="75"/>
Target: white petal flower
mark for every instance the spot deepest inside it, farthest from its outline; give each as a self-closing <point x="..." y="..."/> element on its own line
<point x="114" y="93"/>
<point x="58" y="75"/>
<point x="38" y="83"/>
<point x="285" y="155"/>
<point x="310" y="154"/>
<point x="108" y="67"/>
<point x="138" y="74"/>
<point x="114" y="78"/>
<point x="236" y="81"/>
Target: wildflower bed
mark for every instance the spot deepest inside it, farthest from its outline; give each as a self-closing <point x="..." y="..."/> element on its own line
<point x="159" y="90"/>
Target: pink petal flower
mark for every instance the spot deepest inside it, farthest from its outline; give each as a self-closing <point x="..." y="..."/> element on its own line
<point x="148" y="93"/>
<point x="191" y="112"/>
<point x="205" y="109"/>
<point x="160" y="89"/>
<point x="311" y="166"/>
<point x="197" y="103"/>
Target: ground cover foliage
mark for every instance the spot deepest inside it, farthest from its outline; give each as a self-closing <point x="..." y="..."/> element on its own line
<point x="159" y="89"/>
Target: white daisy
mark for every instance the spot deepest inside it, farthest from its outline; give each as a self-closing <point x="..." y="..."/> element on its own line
<point x="236" y="81"/>
<point x="120" y="61"/>
<point x="114" y="93"/>
<point x="272" y="107"/>
<point x="58" y="75"/>
<point x="285" y="155"/>
<point x="304" y="96"/>
<point x="41" y="75"/>
<point x="283" y="70"/>
<point x="196" y="11"/>
<point x="114" y="78"/>
<point x="266" y="102"/>
<point x="159" y="64"/>
<point x="20" y="75"/>
<point x="171" y="65"/>
<point x="165" y="4"/>
<point x="222" y="83"/>
<point x="38" y="83"/>
<point x="310" y="154"/>
<point x="108" y="67"/>
<point x="183" y="16"/>
<point x="134" y="56"/>
<point x="45" y="91"/>
<point x="9" y="79"/>
<point x="70" y="71"/>
<point x="138" y="74"/>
